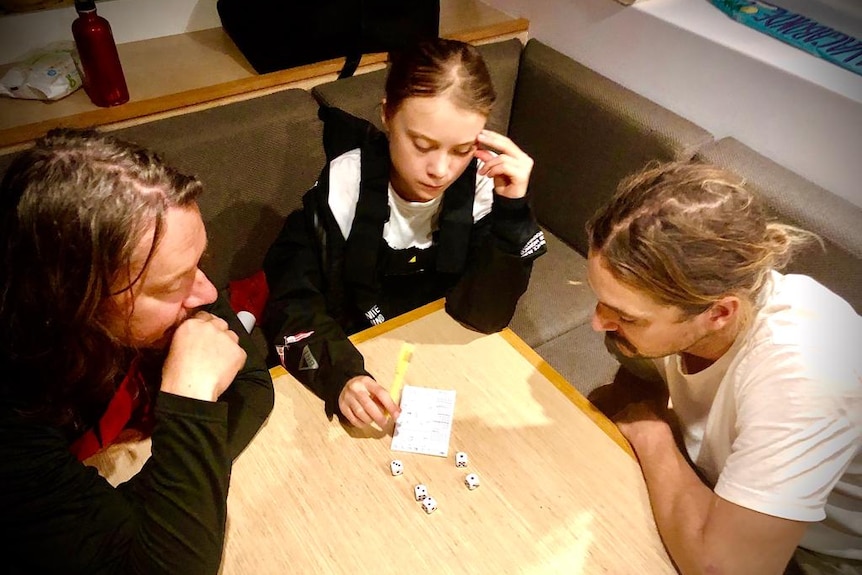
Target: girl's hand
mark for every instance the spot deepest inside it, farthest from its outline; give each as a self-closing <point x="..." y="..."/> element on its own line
<point x="363" y="401"/>
<point x="510" y="168"/>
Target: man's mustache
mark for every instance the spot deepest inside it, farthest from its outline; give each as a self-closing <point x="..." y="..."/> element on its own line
<point x="621" y="342"/>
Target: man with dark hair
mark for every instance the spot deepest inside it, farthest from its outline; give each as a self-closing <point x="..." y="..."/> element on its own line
<point x="109" y="325"/>
<point x="750" y="436"/>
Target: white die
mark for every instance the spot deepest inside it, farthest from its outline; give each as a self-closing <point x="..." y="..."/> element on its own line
<point x="461" y="459"/>
<point x="396" y="467"/>
<point x="429" y="504"/>
<point x="471" y="481"/>
<point x="420" y="492"/>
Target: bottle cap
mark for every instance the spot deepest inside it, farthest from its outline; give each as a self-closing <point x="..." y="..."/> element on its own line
<point x="85" y="5"/>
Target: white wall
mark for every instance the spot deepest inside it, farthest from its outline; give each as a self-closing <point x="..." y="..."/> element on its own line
<point x="800" y="111"/>
<point x="130" y="20"/>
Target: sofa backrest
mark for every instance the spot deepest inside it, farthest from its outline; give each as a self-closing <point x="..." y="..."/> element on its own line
<point x="361" y="95"/>
<point x="255" y="158"/>
<point x="586" y="133"/>
<point x="797" y="201"/>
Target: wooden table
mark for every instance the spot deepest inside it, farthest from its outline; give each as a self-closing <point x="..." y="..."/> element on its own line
<point x="558" y="493"/>
<point x="560" y="490"/>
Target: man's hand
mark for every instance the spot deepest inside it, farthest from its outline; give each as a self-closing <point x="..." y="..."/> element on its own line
<point x="703" y="532"/>
<point x="627" y="388"/>
<point x="510" y="168"/>
<point x="363" y="401"/>
<point x="643" y="425"/>
<point x="203" y="359"/>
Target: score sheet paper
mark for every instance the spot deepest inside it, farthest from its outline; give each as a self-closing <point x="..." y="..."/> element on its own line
<point x="425" y="423"/>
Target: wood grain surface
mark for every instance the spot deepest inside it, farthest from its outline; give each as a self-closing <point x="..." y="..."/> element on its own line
<point x="558" y="493"/>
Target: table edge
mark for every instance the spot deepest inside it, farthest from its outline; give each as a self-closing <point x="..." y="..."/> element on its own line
<point x="567" y="389"/>
<point x="528" y="353"/>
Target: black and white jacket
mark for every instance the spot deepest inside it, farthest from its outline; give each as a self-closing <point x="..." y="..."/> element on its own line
<point x="480" y="258"/>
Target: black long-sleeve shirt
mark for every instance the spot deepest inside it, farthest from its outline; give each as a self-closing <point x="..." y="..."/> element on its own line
<point x="59" y="516"/>
<point x="333" y="286"/>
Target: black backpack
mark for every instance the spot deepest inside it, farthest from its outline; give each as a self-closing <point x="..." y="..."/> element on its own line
<point x="274" y="35"/>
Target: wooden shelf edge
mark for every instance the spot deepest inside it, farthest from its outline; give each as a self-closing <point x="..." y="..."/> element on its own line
<point x="141" y="111"/>
<point x="490" y="32"/>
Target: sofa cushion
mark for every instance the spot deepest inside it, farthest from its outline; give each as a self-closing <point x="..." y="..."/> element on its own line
<point x="558" y="298"/>
<point x="6" y="158"/>
<point x="581" y="357"/>
<point x="586" y="133"/>
<point x="799" y="202"/>
<point x="255" y="158"/>
<point x="361" y="95"/>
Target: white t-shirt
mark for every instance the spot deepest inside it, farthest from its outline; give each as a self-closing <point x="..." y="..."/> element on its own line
<point x="411" y="224"/>
<point x="776" y="423"/>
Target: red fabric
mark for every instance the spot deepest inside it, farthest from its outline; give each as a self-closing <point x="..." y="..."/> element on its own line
<point x="130" y="396"/>
<point x="249" y="294"/>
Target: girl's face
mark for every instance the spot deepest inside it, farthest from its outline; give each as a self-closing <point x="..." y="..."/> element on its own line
<point x="431" y="142"/>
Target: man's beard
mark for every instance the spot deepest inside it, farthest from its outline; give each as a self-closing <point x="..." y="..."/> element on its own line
<point x="623" y="345"/>
<point x="627" y="349"/>
<point x="163" y="343"/>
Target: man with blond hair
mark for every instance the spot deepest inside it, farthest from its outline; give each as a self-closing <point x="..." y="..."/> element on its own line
<point x="749" y="435"/>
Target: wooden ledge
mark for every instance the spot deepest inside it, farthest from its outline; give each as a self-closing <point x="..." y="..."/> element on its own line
<point x="248" y="85"/>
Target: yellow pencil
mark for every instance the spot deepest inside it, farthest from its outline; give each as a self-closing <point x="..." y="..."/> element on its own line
<point x="404" y="357"/>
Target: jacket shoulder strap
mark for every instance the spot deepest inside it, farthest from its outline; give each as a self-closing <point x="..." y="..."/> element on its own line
<point x="366" y="233"/>
<point x="456" y="222"/>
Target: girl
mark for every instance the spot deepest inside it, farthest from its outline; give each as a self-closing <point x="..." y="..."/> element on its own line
<point x="399" y="219"/>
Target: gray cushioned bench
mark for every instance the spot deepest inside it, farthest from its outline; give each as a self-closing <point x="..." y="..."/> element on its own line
<point x="585" y="132"/>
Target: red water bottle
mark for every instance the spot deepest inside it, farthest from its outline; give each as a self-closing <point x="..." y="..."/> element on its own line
<point x="104" y="81"/>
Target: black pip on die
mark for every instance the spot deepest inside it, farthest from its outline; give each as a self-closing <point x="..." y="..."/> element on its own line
<point x="429" y="504"/>
<point x="471" y="481"/>
<point x="420" y="492"/>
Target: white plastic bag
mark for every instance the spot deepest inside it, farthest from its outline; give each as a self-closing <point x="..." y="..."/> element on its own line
<point x="48" y="74"/>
